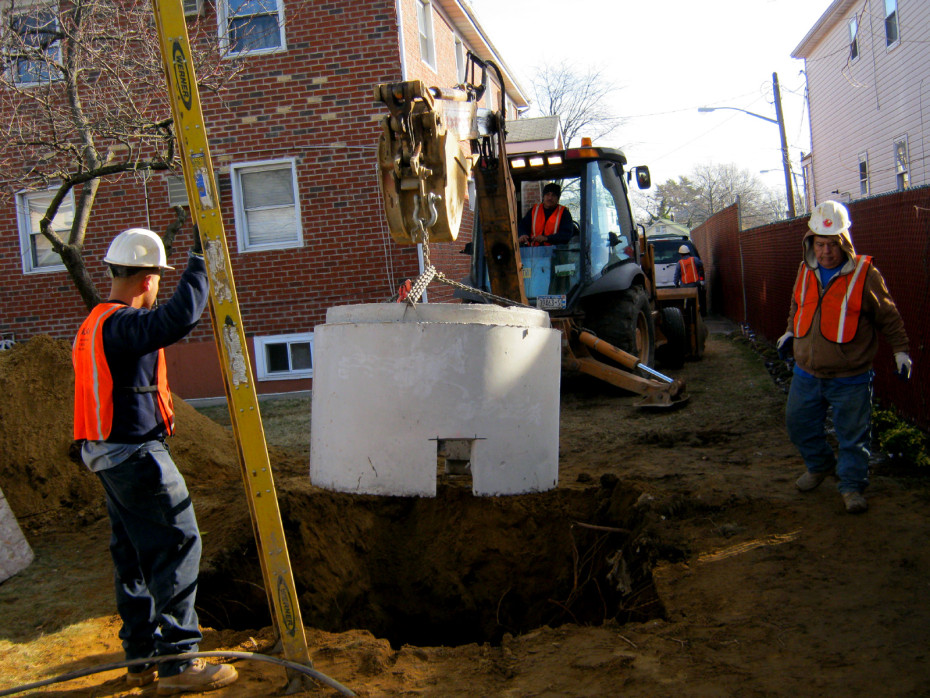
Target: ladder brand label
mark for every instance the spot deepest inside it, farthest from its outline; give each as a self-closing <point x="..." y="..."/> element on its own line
<point x="182" y="74"/>
<point x="287" y="609"/>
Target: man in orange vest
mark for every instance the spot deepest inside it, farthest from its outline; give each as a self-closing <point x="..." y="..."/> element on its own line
<point x="839" y="306"/>
<point x="547" y="223"/>
<point x="689" y="272"/>
<point x="122" y="414"/>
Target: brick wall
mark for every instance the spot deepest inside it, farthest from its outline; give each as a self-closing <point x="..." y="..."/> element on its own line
<point x="314" y="103"/>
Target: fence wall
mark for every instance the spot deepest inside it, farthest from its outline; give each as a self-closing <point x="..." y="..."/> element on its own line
<point x="750" y="275"/>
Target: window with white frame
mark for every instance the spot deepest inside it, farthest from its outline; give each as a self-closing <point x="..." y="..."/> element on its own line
<point x="34" y="45"/>
<point x="864" y="174"/>
<point x="459" y="60"/>
<point x="425" y="28"/>
<point x="284" y="356"/>
<point x="251" y="26"/>
<point x="265" y="205"/>
<point x="891" y="22"/>
<point x="901" y="163"/>
<point x="853" y="39"/>
<point x="36" y="251"/>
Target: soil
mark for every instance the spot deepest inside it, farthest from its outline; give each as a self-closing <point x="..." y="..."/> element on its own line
<point x="675" y="557"/>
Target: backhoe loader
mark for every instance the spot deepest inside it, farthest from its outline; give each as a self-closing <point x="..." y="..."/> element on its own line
<point x="598" y="288"/>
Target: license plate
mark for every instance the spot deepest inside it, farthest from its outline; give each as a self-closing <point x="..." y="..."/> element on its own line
<point x="550" y="302"/>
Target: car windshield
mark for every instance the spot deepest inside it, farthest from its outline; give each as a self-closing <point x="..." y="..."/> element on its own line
<point x="666" y="251"/>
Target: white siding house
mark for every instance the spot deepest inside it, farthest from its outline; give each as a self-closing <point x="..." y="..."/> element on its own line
<point x="868" y="79"/>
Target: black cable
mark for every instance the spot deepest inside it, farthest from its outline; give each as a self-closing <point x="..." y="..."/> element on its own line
<point x="302" y="668"/>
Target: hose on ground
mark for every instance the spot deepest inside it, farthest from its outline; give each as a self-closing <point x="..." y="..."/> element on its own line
<point x="302" y="668"/>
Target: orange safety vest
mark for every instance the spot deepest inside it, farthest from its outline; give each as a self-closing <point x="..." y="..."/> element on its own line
<point x="545" y="226"/>
<point x="689" y="271"/>
<point x="93" y="383"/>
<point x="840" y="304"/>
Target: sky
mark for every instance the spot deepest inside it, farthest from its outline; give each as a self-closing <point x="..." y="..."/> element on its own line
<point x="669" y="57"/>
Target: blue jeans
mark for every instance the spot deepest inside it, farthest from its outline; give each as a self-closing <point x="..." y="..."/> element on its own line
<point x="852" y="413"/>
<point x="155" y="545"/>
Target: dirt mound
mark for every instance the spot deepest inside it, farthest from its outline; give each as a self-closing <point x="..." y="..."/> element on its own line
<point x="42" y="483"/>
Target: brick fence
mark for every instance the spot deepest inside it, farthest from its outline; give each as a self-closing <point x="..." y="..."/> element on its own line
<point x="750" y="274"/>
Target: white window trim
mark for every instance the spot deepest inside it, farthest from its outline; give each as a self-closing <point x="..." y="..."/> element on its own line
<point x="56" y="77"/>
<point x="25" y="231"/>
<point x="223" y="30"/>
<point x="427" y="6"/>
<point x="907" y="161"/>
<point x="897" y="22"/>
<point x="239" y="216"/>
<point x="261" y="370"/>
<point x="461" y="58"/>
<point x="864" y="158"/>
<point x="854" y="39"/>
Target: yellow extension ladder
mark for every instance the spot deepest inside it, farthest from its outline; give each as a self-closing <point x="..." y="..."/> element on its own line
<point x="241" y="396"/>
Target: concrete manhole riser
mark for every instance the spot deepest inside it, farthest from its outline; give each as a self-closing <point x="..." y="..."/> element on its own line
<point x="394" y="384"/>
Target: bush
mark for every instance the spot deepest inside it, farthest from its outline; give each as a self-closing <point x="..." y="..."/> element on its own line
<point x="900" y="440"/>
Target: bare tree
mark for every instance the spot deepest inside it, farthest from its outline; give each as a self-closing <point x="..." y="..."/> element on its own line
<point x="83" y="98"/>
<point x="578" y="97"/>
<point x="693" y="199"/>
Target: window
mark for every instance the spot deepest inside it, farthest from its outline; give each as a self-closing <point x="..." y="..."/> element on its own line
<point x="251" y="26"/>
<point x="284" y="356"/>
<point x="901" y="163"/>
<point x="265" y="205"/>
<point x="853" y="39"/>
<point x="864" y="174"/>
<point x="37" y="252"/>
<point x="459" y="60"/>
<point x="891" y="22"/>
<point x="37" y="46"/>
<point x="425" y="27"/>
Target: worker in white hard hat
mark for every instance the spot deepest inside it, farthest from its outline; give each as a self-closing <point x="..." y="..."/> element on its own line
<point x="689" y="272"/>
<point x="839" y="306"/>
<point x="123" y="413"/>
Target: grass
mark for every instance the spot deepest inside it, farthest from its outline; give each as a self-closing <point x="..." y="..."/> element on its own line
<point x="286" y="420"/>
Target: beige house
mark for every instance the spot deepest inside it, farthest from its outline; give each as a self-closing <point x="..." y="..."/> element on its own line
<point x="867" y="63"/>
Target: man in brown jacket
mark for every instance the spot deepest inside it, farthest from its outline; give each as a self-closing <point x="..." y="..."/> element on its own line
<point x="839" y="306"/>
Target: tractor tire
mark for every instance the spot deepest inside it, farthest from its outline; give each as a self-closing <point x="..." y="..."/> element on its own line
<point x="624" y="319"/>
<point x="672" y="354"/>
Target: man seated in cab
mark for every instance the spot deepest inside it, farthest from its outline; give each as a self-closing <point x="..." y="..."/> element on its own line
<point x="547" y="223"/>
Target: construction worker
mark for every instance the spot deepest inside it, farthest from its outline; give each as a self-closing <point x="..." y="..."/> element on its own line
<point x="547" y="223"/>
<point x="122" y="414"/>
<point x="689" y="272"/>
<point x="839" y="305"/>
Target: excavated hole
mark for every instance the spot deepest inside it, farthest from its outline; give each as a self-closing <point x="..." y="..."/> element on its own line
<point x="447" y="571"/>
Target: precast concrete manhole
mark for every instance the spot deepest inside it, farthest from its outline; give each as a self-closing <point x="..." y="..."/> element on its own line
<point x="449" y="570"/>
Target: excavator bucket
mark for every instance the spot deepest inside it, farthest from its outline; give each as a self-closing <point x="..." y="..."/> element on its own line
<point x="423" y="169"/>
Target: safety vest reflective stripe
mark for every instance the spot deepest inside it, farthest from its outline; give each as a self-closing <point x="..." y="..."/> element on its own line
<point x="689" y="272"/>
<point x="840" y="305"/>
<point x="544" y="226"/>
<point x="93" y="382"/>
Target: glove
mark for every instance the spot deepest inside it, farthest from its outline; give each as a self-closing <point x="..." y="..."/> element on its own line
<point x="197" y="247"/>
<point x="904" y="364"/>
<point x="785" y="345"/>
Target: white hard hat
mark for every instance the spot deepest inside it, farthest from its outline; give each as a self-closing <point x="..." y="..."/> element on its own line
<point x="684" y="250"/>
<point x="137" y="247"/>
<point x="829" y="218"/>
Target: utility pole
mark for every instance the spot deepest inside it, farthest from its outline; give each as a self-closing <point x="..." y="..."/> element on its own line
<point x="786" y="162"/>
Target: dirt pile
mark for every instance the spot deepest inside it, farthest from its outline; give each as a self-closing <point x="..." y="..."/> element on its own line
<point x="43" y="484"/>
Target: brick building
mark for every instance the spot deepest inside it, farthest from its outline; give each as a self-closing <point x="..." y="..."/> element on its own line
<point x="293" y="140"/>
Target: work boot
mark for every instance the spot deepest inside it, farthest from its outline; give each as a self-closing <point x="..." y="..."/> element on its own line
<point x="855" y="502"/>
<point x="199" y="677"/>
<point x="139" y="676"/>
<point x="809" y="481"/>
